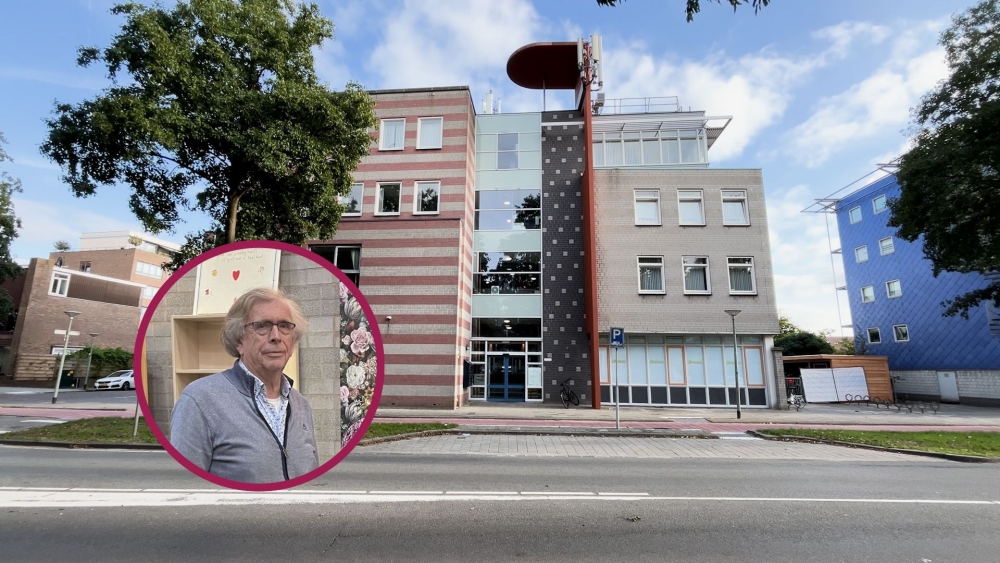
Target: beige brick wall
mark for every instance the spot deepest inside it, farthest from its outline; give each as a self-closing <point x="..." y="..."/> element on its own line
<point x="620" y="241"/>
<point x="159" y="347"/>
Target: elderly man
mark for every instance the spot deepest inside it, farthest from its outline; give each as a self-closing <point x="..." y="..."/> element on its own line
<point x="247" y="423"/>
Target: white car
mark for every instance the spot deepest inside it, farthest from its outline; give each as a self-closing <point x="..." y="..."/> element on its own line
<point x="117" y="380"/>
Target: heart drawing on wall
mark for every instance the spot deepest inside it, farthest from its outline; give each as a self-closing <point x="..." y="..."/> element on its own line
<point x="236" y="275"/>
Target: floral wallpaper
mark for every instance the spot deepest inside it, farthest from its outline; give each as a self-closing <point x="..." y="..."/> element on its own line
<point x="358" y="365"/>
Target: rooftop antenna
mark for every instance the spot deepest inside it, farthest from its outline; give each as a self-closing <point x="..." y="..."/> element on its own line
<point x="488" y="103"/>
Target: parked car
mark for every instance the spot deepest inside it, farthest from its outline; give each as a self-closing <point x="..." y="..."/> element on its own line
<point x="118" y="380"/>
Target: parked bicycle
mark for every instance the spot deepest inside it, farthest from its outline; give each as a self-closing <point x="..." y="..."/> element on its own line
<point x="797" y="401"/>
<point x="568" y="395"/>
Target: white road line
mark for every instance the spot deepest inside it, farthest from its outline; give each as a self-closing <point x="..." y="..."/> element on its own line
<point x="47" y="421"/>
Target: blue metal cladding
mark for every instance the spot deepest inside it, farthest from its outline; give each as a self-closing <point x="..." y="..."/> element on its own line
<point x="935" y="342"/>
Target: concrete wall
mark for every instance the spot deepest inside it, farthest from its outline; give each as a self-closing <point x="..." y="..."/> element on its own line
<point x="159" y="346"/>
<point x="975" y="387"/>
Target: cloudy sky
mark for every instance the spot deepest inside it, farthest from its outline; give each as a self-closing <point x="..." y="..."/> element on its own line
<point x="819" y="92"/>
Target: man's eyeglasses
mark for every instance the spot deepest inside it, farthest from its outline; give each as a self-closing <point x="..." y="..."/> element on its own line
<point x="263" y="328"/>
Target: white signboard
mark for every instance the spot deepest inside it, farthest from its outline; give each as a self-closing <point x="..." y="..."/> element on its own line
<point x="535" y="376"/>
<point x="225" y="277"/>
<point x="833" y="385"/>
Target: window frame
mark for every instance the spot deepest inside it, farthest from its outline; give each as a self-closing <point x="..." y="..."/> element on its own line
<point x="361" y="200"/>
<point x="746" y="207"/>
<point x="145" y="290"/>
<point x="872" y="289"/>
<point x="878" y="334"/>
<point x="139" y="264"/>
<point x="857" y="257"/>
<point x="86" y="265"/>
<point x="420" y="121"/>
<point x="887" y="292"/>
<point x="516" y="151"/>
<point x="378" y="200"/>
<point x="895" y="334"/>
<point x="416" y="197"/>
<point x="881" y="248"/>
<point x="850" y="215"/>
<point x="663" y="281"/>
<point x="701" y="205"/>
<point x="753" y="275"/>
<point x="636" y="198"/>
<point x="348" y="273"/>
<point x="381" y="134"/>
<point x="885" y="204"/>
<point x="708" y="276"/>
<point x="64" y="286"/>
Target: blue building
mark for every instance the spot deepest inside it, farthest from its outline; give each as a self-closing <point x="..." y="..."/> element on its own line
<point x="896" y="307"/>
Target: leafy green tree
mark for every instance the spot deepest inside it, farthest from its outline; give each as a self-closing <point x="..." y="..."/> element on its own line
<point x="9" y="224"/>
<point x="105" y="360"/>
<point x="62" y="246"/>
<point x="950" y="179"/>
<point x="694" y="6"/>
<point x="845" y="347"/>
<point x="785" y="327"/>
<point x="803" y="343"/>
<point x="217" y="97"/>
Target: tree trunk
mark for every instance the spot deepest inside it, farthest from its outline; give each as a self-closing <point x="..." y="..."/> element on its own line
<point x="234" y="205"/>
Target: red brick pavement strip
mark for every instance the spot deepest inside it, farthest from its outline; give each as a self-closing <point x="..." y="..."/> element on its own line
<point x="710" y="426"/>
<point x="63" y="414"/>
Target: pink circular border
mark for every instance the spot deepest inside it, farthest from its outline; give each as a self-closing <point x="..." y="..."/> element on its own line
<point x="344" y="450"/>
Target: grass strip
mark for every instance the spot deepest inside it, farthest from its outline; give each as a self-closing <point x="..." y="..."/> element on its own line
<point x="383" y="429"/>
<point x="983" y="444"/>
<point x="103" y="429"/>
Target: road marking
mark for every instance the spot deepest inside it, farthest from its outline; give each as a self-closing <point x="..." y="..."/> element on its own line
<point x="47" y="421"/>
<point x="20" y="497"/>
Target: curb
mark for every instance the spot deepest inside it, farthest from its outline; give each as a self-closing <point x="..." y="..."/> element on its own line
<point x="83" y="445"/>
<point x="514" y="431"/>
<point x="51" y="408"/>
<point x="939" y="455"/>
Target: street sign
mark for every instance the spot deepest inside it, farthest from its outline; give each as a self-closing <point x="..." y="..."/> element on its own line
<point x="617" y="337"/>
<point x="71" y="333"/>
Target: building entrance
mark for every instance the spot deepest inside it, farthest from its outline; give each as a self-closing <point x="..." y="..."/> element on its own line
<point x="506" y="373"/>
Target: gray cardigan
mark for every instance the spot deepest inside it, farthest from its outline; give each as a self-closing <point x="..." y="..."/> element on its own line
<point x="217" y="426"/>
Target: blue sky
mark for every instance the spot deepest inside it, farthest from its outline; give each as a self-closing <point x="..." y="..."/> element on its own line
<point x="819" y="91"/>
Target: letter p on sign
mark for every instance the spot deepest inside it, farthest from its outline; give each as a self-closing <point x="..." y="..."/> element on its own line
<point x="617" y="337"/>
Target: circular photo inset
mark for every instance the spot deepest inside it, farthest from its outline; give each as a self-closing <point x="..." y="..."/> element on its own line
<point x="260" y="365"/>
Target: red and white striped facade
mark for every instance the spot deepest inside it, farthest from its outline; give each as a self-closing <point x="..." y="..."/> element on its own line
<point x="417" y="268"/>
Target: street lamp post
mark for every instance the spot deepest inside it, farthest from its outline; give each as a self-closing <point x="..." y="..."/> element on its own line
<point x="62" y="359"/>
<point x="736" y="362"/>
<point x="93" y="335"/>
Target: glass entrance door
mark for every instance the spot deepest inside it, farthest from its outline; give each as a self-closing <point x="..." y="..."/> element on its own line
<point x="506" y="373"/>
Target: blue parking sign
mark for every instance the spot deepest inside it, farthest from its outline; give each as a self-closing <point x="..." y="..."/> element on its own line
<point x="617" y="337"/>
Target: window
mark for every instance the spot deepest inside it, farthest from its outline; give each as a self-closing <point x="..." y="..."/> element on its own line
<point x="429" y="131"/>
<point x="741" y="278"/>
<point x="868" y="294"/>
<point x="874" y="336"/>
<point x="893" y="289"/>
<point x="696" y="278"/>
<point x="651" y="274"/>
<point x="348" y="260"/>
<point x="855" y="215"/>
<point x="391" y="137"/>
<point x="505" y="210"/>
<point x="734" y="208"/>
<point x="878" y="204"/>
<point x="901" y="333"/>
<point x="148" y="292"/>
<point x="861" y="254"/>
<point x="148" y="270"/>
<point x="85" y="266"/>
<point x="508" y="272"/>
<point x="647" y="207"/>
<point x="689" y="206"/>
<point x="507" y="151"/>
<point x="352" y="201"/>
<point x="60" y="284"/>
<point x="885" y="246"/>
<point x="388" y="199"/>
<point x="426" y="198"/>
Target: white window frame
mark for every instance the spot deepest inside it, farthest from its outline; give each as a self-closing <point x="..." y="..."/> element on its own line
<point x="663" y="280"/>
<point x="150" y="290"/>
<point x="420" y="121"/>
<point x="381" y="134"/>
<point x="417" y="188"/>
<point x="870" y="288"/>
<point x="889" y="294"/>
<point x="850" y="215"/>
<point x="746" y="207"/>
<point x="361" y="200"/>
<point x="878" y="333"/>
<point x="895" y="334"/>
<point x="153" y="271"/>
<point x="881" y="248"/>
<point x="857" y="255"/>
<point x="708" y="276"/>
<point x="885" y="205"/>
<point x="63" y="288"/>
<point x="701" y="203"/>
<point x="646" y="196"/>
<point x="378" y="199"/>
<point x="753" y="275"/>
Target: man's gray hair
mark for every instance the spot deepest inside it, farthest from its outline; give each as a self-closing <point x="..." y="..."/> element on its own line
<point x="239" y="315"/>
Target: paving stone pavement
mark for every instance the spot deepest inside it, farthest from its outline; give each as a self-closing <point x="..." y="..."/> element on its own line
<point x="650" y="448"/>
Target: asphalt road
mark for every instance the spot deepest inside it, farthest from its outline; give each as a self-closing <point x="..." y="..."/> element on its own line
<point x="692" y="510"/>
<point x="68" y="397"/>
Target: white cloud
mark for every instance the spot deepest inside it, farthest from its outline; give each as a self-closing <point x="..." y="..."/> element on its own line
<point x="42" y="224"/>
<point x="843" y="35"/>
